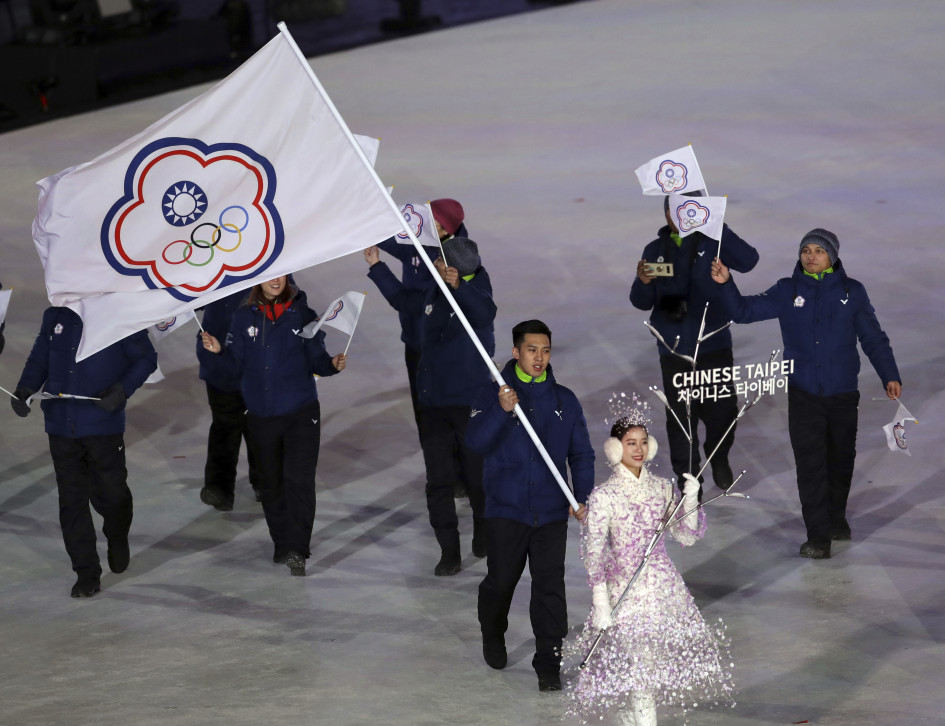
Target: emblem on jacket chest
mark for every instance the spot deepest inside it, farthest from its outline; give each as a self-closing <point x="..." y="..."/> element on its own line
<point x="58" y="329"/>
<point x="252" y="331"/>
<point x="428" y="309"/>
<point x="799" y="302"/>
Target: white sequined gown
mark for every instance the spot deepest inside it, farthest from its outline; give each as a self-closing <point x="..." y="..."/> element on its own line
<point x="659" y="644"/>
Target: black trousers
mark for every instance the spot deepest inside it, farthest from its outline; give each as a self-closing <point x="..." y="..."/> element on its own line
<point x="823" y="436"/>
<point x="510" y="544"/>
<point x="715" y="415"/>
<point x="227" y="431"/>
<point x="286" y="458"/>
<point x="412" y="362"/>
<point x="91" y="470"/>
<point x="448" y="461"/>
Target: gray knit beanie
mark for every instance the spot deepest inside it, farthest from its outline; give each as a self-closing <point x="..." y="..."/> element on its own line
<point x="463" y="254"/>
<point x="825" y="239"/>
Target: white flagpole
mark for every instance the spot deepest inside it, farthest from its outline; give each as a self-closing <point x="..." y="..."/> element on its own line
<point x="8" y="393"/>
<point x="444" y="288"/>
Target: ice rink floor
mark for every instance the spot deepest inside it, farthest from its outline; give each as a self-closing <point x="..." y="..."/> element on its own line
<point x="806" y="114"/>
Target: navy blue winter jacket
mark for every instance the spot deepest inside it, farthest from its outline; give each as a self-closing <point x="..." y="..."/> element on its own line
<point x="273" y="363"/>
<point x="821" y="321"/>
<point x="678" y="302"/>
<point x="217" y="318"/>
<point x="415" y="276"/>
<point x="516" y="480"/>
<point x="451" y="371"/>
<point x="52" y="362"/>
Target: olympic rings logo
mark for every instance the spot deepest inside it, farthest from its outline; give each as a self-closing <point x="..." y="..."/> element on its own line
<point x="217" y="232"/>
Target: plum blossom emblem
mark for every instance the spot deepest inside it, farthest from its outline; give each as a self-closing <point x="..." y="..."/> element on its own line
<point x="194" y="217"/>
<point x="671" y="176"/>
<point x="691" y="215"/>
<point x="414" y="220"/>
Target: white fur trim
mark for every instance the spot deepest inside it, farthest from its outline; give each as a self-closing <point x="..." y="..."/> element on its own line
<point x="613" y="450"/>
<point x="654" y="447"/>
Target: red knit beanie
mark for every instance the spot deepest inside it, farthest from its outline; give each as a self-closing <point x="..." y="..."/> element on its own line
<point x="449" y="213"/>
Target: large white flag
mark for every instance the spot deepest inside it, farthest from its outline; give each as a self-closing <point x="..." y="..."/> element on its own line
<point x="698" y="214"/>
<point x="256" y="178"/>
<point x="341" y="314"/>
<point x="674" y="173"/>
<point x="895" y="430"/>
<point x="4" y="304"/>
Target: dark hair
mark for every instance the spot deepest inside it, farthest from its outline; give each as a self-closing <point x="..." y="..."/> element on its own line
<point x="622" y="426"/>
<point x="529" y="327"/>
<point x="257" y="297"/>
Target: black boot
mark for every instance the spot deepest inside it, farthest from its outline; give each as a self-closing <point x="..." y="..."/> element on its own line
<point x="722" y="473"/>
<point x="450" y="559"/>
<point x="119" y="554"/>
<point x="549" y="681"/>
<point x="493" y="651"/>
<point x="816" y="550"/>
<point x="86" y="585"/>
<point x="216" y="499"/>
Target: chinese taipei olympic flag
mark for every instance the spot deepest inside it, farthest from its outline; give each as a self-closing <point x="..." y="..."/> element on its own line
<point x="256" y="178"/>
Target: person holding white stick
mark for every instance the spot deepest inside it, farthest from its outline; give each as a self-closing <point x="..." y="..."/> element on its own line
<point x="677" y="302"/>
<point x="275" y="367"/>
<point x="822" y="313"/>
<point x="526" y="511"/>
<point x="449" y="374"/>
<point x="86" y="429"/>
<point x="657" y="649"/>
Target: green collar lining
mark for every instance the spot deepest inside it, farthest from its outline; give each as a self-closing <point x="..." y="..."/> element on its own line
<point x="525" y="378"/>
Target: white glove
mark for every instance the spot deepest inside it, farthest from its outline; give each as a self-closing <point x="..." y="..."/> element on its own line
<point x="600" y="618"/>
<point x="691" y="500"/>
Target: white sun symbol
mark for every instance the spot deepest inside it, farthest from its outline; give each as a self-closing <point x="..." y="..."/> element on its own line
<point x="184" y="203"/>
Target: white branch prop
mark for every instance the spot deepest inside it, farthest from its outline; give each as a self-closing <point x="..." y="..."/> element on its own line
<point x="662" y="397"/>
<point x="709" y="335"/>
<point x="672" y="349"/>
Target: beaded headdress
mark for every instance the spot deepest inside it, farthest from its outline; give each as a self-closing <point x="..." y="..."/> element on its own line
<point x="629" y="409"/>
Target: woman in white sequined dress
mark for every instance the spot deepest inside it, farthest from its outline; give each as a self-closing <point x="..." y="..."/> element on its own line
<point x="657" y="648"/>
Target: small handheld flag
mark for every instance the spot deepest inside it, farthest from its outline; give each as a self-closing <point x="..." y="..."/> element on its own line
<point x="698" y="214"/>
<point x="895" y="430"/>
<point x="419" y="218"/>
<point x="674" y="173"/>
<point x="341" y="314"/>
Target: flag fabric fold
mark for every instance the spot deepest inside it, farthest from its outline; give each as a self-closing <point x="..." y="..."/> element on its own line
<point x="256" y="178"/>
<point x="698" y="214"/>
<point x="674" y="173"/>
<point x="895" y="430"/>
